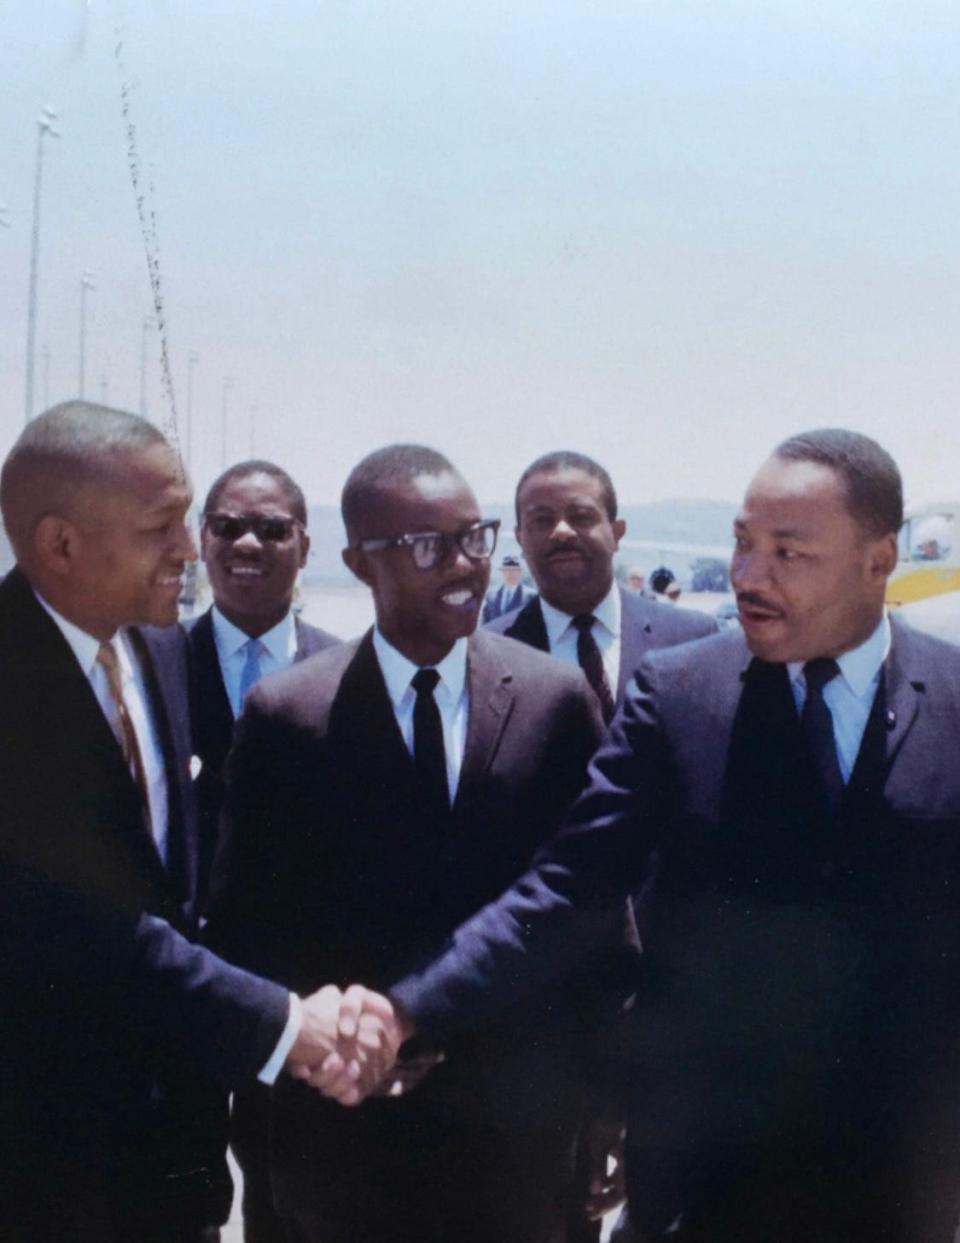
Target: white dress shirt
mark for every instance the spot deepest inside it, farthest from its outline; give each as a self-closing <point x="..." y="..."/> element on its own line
<point x="451" y="695"/>
<point x="562" y="635"/>
<point x="85" y="648"/>
<point x="850" y="695"/>
<point x="278" y="650"/>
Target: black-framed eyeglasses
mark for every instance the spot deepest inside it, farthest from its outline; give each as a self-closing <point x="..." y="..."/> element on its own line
<point x="273" y="529"/>
<point x="430" y="548"/>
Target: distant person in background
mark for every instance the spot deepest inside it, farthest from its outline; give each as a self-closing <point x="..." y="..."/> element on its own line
<point x="636" y="580"/>
<point x="510" y="595"/>
<point x="254" y="542"/>
<point x="568" y="528"/>
<point x="663" y="583"/>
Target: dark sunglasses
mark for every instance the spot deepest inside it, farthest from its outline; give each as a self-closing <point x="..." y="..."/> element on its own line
<point x="429" y="548"/>
<point x="267" y="530"/>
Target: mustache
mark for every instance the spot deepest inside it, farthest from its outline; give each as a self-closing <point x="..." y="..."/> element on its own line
<point x="752" y="599"/>
<point x="562" y="549"/>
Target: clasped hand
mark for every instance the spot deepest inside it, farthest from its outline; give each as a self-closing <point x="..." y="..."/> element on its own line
<point x="348" y="1042"/>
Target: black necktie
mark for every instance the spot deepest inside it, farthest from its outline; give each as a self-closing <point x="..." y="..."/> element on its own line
<point x="429" y="756"/>
<point x="818" y="728"/>
<point x="591" y="662"/>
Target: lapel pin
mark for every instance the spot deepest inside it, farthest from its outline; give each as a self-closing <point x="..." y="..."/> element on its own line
<point x="891" y="718"/>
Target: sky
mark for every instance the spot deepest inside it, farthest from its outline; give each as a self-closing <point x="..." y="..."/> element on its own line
<point x="667" y="233"/>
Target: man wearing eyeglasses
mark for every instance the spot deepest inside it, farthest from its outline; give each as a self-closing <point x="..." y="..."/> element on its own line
<point x="376" y="795"/>
<point x="254" y="543"/>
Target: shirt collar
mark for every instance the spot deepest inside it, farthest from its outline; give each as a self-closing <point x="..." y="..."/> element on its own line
<point x="398" y="671"/>
<point x="858" y="667"/>
<point x="280" y="641"/>
<point x="84" y="646"/>
<point x="607" y="614"/>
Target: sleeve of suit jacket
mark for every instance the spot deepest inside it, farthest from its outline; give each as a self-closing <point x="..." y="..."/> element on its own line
<point x="559" y="910"/>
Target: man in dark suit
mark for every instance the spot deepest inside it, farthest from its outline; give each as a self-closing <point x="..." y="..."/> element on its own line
<point x="377" y="794"/>
<point x="112" y="1021"/>
<point x="254" y="542"/>
<point x="796" y="1075"/>
<point x="511" y="594"/>
<point x="568" y="528"/>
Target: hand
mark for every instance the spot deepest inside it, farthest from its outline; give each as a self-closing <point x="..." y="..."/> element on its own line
<point x="603" y="1141"/>
<point x="348" y="1043"/>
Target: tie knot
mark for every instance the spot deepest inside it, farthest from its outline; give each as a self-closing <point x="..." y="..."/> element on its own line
<point x="252" y="649"/>
<point x="583" y="622"/>
<point x="424" y="681"/>
<point x="817" y="673"/>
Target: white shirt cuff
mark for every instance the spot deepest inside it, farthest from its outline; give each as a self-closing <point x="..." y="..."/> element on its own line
<point x="274" y="1066"/>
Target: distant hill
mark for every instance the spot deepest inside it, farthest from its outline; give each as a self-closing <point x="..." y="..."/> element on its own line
<point x="672" y="522"/>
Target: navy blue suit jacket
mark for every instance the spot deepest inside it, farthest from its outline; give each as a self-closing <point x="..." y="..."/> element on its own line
<point x="796" y="1044"/>
<point x="110" y="1016"/>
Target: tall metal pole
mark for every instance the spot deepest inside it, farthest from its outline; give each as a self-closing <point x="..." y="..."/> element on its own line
<point x="148" y="323"/>
<point x="44" y="127"/>
<point x="45" y="355"/>
<point x="227" y="386"/>
<point x="86" y="282"/>
<point x="192" y="359"/>
<point x="254" y="411"/>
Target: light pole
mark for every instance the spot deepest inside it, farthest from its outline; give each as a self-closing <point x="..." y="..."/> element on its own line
<point x="148" y="323"/>
<point x="86" y="282"/>
<point x="254" y="411"/>
<point x="227" y="386"/>
<point x="104" y="391"/>
<point x="45" y="355"/>
<point x="44" y="127"/>
<point x="192" y="359"/>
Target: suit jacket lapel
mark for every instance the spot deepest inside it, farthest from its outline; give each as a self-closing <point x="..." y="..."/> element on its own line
<point x="362" y="716"/>
<point x="164" y="689"/>
<point x="904" y="691"/>
<point x="635" y="638"/>
<point x="215" y="716"/>
<point x="529" y="626"/>
<point x="491" y="699"/>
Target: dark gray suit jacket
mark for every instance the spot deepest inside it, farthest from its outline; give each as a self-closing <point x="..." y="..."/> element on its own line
<point x="797" y="1069"/>
<point x="645" y="625"/>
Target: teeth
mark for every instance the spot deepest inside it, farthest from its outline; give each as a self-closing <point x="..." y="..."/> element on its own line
<point x="246" y="571"/>
<point x="457" y="597"/>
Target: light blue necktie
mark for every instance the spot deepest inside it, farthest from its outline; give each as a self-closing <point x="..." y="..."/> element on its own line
<point x="251" y="672"/>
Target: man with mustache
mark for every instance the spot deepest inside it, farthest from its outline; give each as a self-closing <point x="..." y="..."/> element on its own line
<point x="378" y="794"/>
<point x="796" y="1070"/>
<point x="114" y="1025"/>
<point x="568" y="528"/>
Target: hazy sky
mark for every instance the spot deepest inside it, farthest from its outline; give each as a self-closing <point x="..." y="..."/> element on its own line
<point x="665" y="233"/>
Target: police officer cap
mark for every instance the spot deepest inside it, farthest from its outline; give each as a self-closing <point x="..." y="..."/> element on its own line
<point x="661" y="578"/>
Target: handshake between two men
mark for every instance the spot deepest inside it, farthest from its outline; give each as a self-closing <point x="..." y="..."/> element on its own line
<point x="348" y="1044"/>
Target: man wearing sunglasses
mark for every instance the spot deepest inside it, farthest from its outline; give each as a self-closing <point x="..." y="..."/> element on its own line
<point x="254" y="542"/>
<point x="376" y="795"/>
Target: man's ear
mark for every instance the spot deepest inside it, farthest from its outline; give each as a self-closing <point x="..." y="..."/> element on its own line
<point x="883" y="557"/>
<point x="619" y="529"/>
<point x="304" y="548"/>
<point x="56" y="542"/>
<point x="357" y="562"/>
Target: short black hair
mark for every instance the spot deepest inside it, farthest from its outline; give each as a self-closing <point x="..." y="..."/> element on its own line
<point x="71" y="446"/>
<point x="872" y="478"/>
<point x="257" y="466"/>
<point x="568" y="459"/>
<point x="385" y="468"/>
